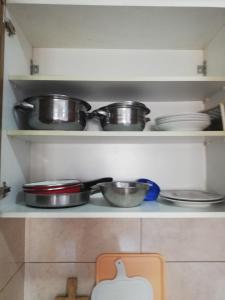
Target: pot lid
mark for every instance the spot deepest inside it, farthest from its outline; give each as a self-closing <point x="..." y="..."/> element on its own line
<point x="127" y="104"/>
<point x="58" y="97"/>
<point x="48" y="184"/>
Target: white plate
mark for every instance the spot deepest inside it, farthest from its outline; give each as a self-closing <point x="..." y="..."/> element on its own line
<point x="190" y="195"/>
<point x="186" y="119"/>
<point x="198" y="116"/>
<point x="193" y="204"/>
<point x="183" y="126"/>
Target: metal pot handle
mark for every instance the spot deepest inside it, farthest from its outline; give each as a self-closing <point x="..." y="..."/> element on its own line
<point x="89" y="184"/>
<point x="147" y="120"/>
<point x="95" y="189"/>
<point x="98" y="114"/>
<point x="24" y="106"/>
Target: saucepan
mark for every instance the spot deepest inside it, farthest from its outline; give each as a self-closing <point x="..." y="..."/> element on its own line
<point x="127" y="116"/>
<point x="66" y="197"/>
<point x="54" y="112"/>
<point x="123" y="193"/>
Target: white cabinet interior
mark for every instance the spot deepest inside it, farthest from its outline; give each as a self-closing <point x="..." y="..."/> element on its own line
<point x="98" y="49"/>
<point x="147" y="53"/>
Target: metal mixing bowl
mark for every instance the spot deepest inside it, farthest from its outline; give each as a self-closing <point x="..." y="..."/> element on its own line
<point x="124" y="193"/>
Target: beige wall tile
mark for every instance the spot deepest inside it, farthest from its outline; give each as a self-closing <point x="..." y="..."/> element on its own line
<point x="80" y="240"/>
<point x="12" y="242"/>
<point x="185" y="239"/>
<point x="44" y="281"/>
<point x="15" y="287"/>
<point x="201" y="281"/>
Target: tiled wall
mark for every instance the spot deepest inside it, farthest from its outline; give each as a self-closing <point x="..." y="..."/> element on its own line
<point x="194" y="250"/>
<point x="12" y="244"/>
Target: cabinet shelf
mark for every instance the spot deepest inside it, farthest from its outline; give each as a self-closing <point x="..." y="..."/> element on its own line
<point x="124" y="137"/>
<point x="177" y="3"/>
<point x="161" y="24"/>
<point x="98" y="208"/>
<point x="148" y="88"/>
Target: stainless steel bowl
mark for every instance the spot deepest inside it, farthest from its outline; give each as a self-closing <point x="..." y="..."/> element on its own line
<point x="122" y="116"/>
<point x="124" y="193"/>
<point x="54" y="112"/>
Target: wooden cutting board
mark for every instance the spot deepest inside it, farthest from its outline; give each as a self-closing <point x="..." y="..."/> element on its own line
<point x="72" y="291"/>
<point x="149" y="266"/>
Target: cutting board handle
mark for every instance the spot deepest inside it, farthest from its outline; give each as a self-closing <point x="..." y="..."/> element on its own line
<point x="120" y="268"/>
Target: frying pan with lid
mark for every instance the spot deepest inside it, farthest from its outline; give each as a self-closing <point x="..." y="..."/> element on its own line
<point x="64" y="199"/>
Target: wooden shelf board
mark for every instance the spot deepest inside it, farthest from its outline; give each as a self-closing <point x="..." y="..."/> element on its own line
<point x="177" y="3"/>
<point x="144" y="88"/>
<point x="98" y="208"/>
<point x="124" y="137"/>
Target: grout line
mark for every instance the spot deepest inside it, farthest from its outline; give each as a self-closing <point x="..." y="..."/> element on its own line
<point x="59" y="262"/>
<point x="167" y="261"/>
<point x="14" y="274"/>
<point x="195" y="261"/>
<point x="141" y="236"/>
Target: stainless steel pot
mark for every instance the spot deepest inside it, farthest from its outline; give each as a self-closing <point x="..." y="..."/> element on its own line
<point x="61" y="200"/>
<point x="127" y="116"/>
<point x="123" y="193"/>
<point x="54" y="112"/>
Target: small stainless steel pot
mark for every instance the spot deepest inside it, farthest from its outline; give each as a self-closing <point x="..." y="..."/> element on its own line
<point x="123" y="193"/>
<point x="122" y="116"/>
<point x="54" y="112"/>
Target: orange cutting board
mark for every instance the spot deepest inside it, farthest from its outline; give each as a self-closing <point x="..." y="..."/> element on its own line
<point x="149" y="266"/>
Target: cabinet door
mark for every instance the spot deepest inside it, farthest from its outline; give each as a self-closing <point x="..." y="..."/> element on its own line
<point x="2" y="31"/>
<point x="3" y="189"/>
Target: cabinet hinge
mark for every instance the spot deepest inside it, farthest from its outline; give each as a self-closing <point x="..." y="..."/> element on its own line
<point x="10" y="27"/>
<point x="4" y="190"/>
<point x="34" y="69"/>
<point x="202" y="69"/>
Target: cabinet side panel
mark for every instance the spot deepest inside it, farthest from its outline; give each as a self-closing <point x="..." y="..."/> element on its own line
<point x="215" y="155"/>
<point x="215" y="53"/>
<point x="15" y="155"/>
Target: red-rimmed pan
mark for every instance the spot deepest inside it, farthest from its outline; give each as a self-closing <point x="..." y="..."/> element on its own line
<point x="44" y="199"/>
<point x="61" y="186"/>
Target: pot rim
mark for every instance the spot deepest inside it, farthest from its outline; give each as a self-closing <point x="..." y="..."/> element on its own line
<point x="127" y="104"/>
<point x="57" y="97"/>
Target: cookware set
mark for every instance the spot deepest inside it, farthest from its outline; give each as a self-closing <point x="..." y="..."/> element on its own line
<point x="60" y="112"/>
<point x="68" y="193"/>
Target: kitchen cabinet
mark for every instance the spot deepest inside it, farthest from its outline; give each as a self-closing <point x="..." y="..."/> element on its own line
<point x="166" y="54"/>
<point x="169" y="56"/>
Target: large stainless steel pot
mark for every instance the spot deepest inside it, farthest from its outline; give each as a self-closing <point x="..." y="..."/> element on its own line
<point x="55" y="112"/>
<point x="127" y="116"/>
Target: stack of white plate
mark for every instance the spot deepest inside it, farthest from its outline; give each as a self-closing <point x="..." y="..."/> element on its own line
<point x="191" y="198"/>
<point x="183" y="122"/>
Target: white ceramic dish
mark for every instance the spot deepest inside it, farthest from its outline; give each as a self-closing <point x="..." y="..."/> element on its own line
<point x="194" y="204"/>
<point x="193" y="116"/>
<point x="191" y="195"/>
<point x="183" y="126"/>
